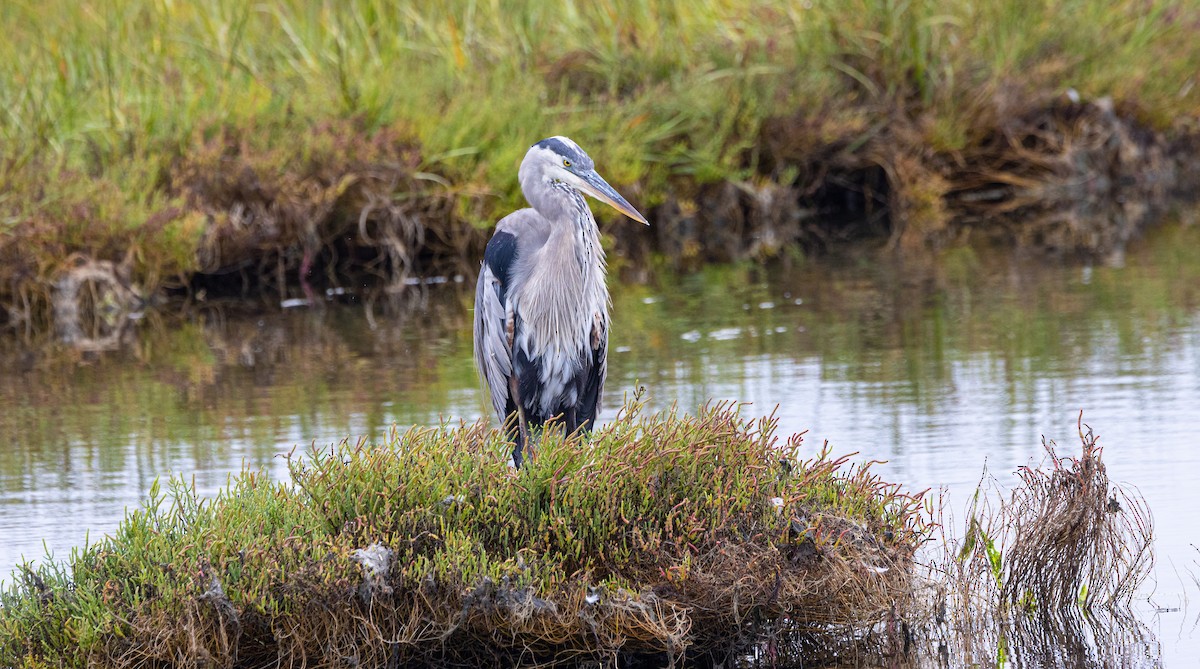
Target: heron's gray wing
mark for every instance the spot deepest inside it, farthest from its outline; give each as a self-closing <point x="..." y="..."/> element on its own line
<point x="494" y="319"/>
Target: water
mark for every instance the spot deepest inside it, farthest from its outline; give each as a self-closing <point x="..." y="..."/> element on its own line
<point x="940" y="371"/>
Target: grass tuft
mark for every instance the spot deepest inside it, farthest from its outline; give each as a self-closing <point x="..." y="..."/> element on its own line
<point x="1052" y="565"/>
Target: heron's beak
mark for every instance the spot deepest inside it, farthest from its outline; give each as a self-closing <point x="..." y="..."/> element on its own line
<point x="595" y="185"/>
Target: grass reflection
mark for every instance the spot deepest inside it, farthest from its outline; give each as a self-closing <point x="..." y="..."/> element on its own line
<point x="204" y="391"/>
<point x="1014" y="320"/>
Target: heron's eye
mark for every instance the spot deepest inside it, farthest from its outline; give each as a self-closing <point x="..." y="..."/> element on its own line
<point x="566" y="163"/>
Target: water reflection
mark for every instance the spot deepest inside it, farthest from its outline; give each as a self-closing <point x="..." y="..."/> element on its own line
<point x="1066" y="640"/>
<point x="936" y="369"/>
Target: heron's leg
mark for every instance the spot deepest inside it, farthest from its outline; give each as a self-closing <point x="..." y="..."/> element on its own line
<point x="522" y="424"/>
<point x="513" y="431"/>
<point x="523" y="428"/>
<point x="572" y="422"/>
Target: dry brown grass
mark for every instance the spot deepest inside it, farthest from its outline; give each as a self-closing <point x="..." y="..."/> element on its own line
<point x="1045" y="575"/>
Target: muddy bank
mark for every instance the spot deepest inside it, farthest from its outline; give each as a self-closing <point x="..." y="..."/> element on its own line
<point x="356" y="208"/>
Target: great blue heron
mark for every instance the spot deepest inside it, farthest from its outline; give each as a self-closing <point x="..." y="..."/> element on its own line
<point x="541" y="304"/>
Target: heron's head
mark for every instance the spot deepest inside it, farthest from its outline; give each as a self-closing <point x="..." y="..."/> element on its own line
<point x="558" y="161"/>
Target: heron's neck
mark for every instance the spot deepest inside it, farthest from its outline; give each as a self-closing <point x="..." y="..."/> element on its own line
<point x="575" y="239"/>
<point x="566" y="293"/>
<point x="555" y="200"/>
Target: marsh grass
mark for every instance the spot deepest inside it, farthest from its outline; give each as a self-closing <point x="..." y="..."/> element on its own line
<point x="661" y="534"/>
<point x="1045" y="573"/>
<point x="179" y="139"/>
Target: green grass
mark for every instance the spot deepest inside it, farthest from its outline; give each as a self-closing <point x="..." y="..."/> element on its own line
<point x="107" y="107"/>
<point x="685" y="528"/>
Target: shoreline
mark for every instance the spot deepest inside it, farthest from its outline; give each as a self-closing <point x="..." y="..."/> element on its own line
<point x="386" y="223"/>
<point x="263" y="147"/>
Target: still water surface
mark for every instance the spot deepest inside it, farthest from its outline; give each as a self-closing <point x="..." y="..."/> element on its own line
<point x="940" y="372"/>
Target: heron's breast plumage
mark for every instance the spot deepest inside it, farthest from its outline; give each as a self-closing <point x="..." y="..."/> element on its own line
<point x="559" y="307"/>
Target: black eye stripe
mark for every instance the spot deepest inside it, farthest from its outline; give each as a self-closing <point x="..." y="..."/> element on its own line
<point x="575" y="155"/>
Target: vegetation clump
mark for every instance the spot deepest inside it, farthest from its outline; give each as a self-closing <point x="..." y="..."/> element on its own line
<point x="661" y="535"/>
<point x="1045" y="572"/>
